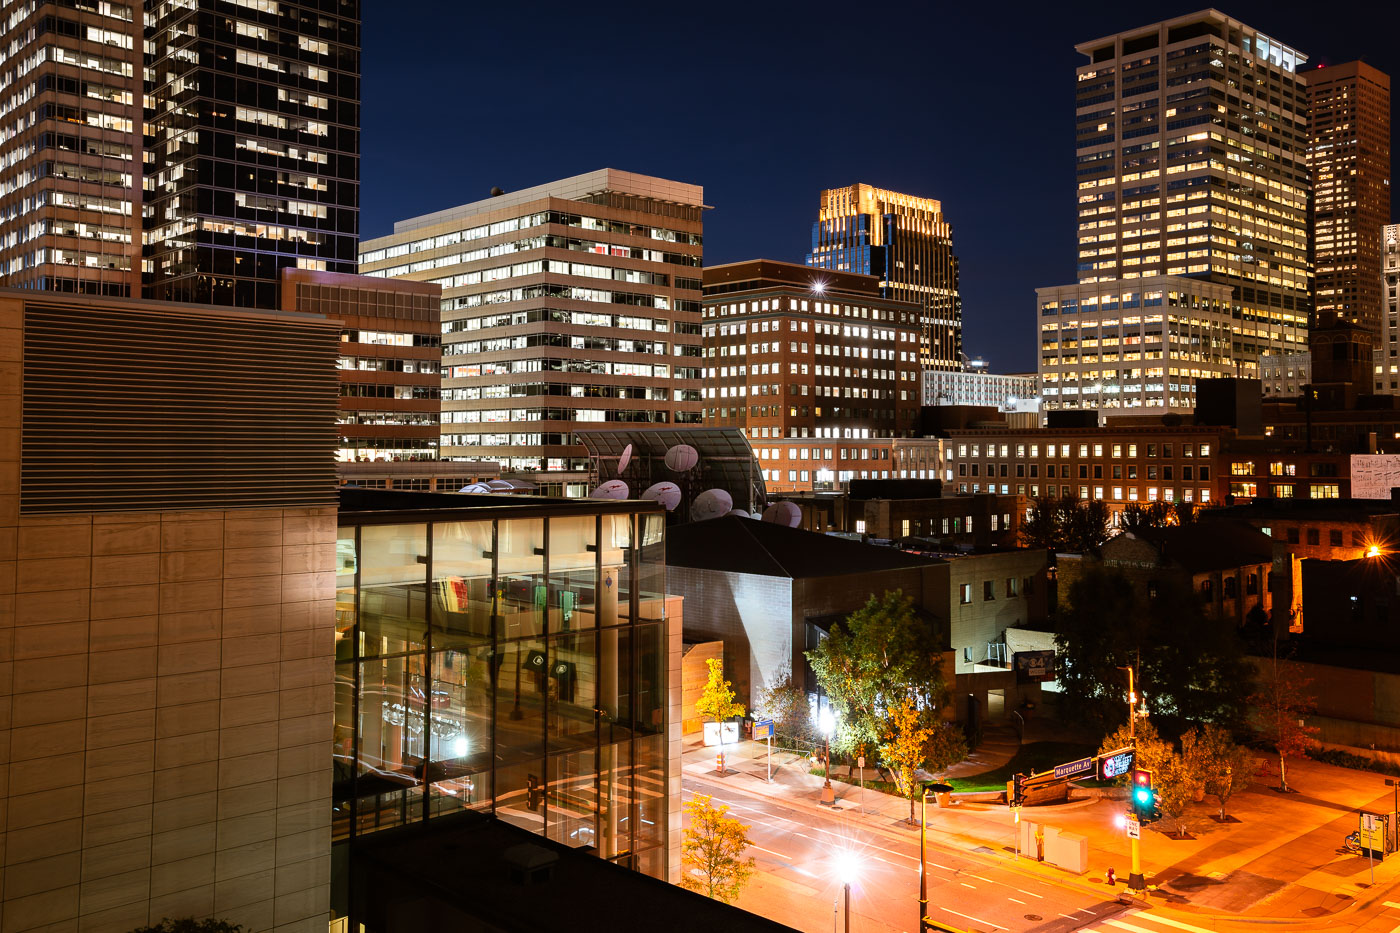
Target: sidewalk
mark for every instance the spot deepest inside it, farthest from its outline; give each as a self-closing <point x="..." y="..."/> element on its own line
<point x="1279" y="863"/>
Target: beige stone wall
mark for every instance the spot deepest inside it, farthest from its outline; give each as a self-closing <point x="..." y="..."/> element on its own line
<point x="165" y="712"/>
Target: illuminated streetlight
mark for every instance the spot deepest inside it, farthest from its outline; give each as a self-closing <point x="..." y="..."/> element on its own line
<point x="460" y="746"/>
<point x="847" y="873"/>
<point x="1373" y="550"/>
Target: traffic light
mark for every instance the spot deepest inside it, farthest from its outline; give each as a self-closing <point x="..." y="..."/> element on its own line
<point x="1015" y="791"/>
<point x="1144" y="796"/>
<point x="534" y="794"/>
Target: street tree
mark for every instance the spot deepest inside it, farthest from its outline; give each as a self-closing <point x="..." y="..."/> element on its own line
<point x="907" y="732"/>
<point x="1175" y="788"/>
<point x="717" y="697"/>
<point x="1280" y="703"/>
<point x="868" y="663"/>
<point x="712" y="851"/>
<point x="1153" y="753"/>
<point x="1218" y="765"/>
<point x="1190" y="669"/>
<point x="787" y="705"/>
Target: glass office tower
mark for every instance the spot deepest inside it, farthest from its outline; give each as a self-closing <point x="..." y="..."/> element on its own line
<point x="507" y="657"/>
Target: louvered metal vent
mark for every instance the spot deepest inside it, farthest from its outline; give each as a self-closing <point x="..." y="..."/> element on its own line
<point x="142" y="407"/>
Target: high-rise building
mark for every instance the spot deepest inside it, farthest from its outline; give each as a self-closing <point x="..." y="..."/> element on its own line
<point x="791" y="351"/>
<point x="905" y="242"/>
<point x="1191" y="149"/>
<point x="1387" y="362"/>
<point x="71" y="172"/>
<point x="572" y="301"/>
<point x="390" y="361"/>
<point x="1349" y="155"/>
<point x="237" y="157"/>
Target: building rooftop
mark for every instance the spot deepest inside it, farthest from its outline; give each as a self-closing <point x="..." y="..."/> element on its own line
<point x="574" y="188"/>
<point x="1307" y="509"/>
<point x="474" y="871"/>
<point x="357" y="503"/>
<point x="1198" y="547"/>
<point x="743" y="545"/>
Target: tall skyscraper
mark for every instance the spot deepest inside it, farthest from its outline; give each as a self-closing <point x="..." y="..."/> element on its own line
<point x="1191" y="162"/>
<point x="576" y="300"/>
<point x="238" y="157"/>
<point x="905" y="242"/>
<point x="1349" y="155"/>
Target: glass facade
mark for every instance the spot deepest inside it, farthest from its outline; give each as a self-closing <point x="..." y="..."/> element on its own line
<point x="514" y="665"/>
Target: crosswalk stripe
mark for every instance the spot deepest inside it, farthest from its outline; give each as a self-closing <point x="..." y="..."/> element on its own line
<point x="1392" y="904"/>
<point x="1173" y="923"/>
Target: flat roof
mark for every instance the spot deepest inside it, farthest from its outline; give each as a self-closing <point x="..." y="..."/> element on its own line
<point x="573" y="188"/>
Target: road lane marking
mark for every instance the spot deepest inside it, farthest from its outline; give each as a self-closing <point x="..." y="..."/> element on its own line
<point x="1085" y="910"/>
<point x="1069" y="916"/>
<point x="1170" y="922"/>
<point x="1032" y="894"/>
<point x="973" y="919"/>
<point x="770" y="851"/>
<point x="1022" y="903"/>
<point x="966" y="885"/>
<point x="1392" y="904"/>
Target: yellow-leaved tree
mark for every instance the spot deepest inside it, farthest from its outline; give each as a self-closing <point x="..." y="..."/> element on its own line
<point x="712" y="851"/>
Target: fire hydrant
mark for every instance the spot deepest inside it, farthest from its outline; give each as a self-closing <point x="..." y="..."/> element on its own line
<point x="1110" y="878"/>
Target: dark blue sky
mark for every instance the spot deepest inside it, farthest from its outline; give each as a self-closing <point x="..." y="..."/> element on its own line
<point x="765" y="104"/>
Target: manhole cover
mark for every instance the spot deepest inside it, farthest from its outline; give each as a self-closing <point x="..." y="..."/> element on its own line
<point x="1035" y="918"/>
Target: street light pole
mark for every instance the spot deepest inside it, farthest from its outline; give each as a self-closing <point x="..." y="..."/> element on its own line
<point x="828" y="724"/>
<point x="923" y="866"/>
<point x="1132" y="702"/>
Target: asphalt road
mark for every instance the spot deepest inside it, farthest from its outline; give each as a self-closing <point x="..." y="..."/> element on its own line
<point x="799" y="854"/>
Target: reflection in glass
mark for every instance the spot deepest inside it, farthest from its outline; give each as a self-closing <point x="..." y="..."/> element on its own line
<point x="572" y="686"/>
<point x="520" y="587"/>
<point x="520" y="795"/>
<point x="521" y="684"/>
<point x="346" y="563"/>
<point x="573" y="800"/>
<point x="463" y="601"/>
<point x="393" y="588"/>
<point x="615" y="586"/>
<point x="573" y="572"/>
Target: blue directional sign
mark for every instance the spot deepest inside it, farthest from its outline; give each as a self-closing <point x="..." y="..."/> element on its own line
<point x="763" y="729"/>
<point x="1071" y="768"/>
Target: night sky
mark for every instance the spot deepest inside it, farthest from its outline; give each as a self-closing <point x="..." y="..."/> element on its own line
<point x="765" y="104"/>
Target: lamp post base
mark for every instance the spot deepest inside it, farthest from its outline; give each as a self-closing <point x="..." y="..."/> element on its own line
<point x="828" y="794"/>
<point x="1136" y="883"/>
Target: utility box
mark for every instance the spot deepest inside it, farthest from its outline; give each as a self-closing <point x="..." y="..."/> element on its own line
<point x="1068" y="850"/>
<point x="1030" y="847"/>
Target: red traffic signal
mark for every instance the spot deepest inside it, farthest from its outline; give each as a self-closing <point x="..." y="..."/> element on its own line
<point x="1142" y="778"/>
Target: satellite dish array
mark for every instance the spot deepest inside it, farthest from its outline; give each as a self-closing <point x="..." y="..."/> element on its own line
<point x="712" y="503"/>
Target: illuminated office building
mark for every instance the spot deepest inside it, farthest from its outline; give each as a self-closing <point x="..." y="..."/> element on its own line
<point x="572" y="301"/>
<point x="1191" y="150"/>
<point x="1349" y="155"/>
<point x="904" y="241"/>
<point x="224" y="135"/>
<point x="794" y="352"/>
<point x="1387" y="363"/>
<point x="1134" y="346"/>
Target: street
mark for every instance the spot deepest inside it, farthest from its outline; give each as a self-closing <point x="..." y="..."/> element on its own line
<point x="796" y="854"/>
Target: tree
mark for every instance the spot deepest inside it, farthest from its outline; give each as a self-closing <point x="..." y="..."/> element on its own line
<point x="1280" y="703"/>
<point x="1219" y="766"/>
<point x="1141" y="515"/>
<point x="907" y="731"/>
<point x="190" y="925"/>
<point x="945" y="748"/>
<point x="1185" y="511"/>
<point x="787" y="706"/>
<point x="1153" y="753"/>
<point x="1065" y="524"/>
<point x="1174" y="788"/>
<point x="881" y="653"/>
<point x="712" y="851"/>
<point x="717" y="698"/>
<point x="1190" y="670"/>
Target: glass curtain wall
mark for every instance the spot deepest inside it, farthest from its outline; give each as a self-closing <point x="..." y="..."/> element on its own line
<point x="511" y="665"/>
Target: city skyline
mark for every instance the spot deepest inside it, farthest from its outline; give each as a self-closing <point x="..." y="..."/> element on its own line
<point x="1015" y="229"/>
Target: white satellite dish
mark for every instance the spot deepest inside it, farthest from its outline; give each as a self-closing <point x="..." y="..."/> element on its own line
<point x="612" y="489"/>
<point x="739" y="513"/>
<point x="625" y="459"/>
<point x="500" y="485"/>
<point x="668" y="494"/>
<point x="480" y="488"/>
<point x="681" y="458"/>
<point x="712" y="503"/>
<point x="783" y="513"/>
